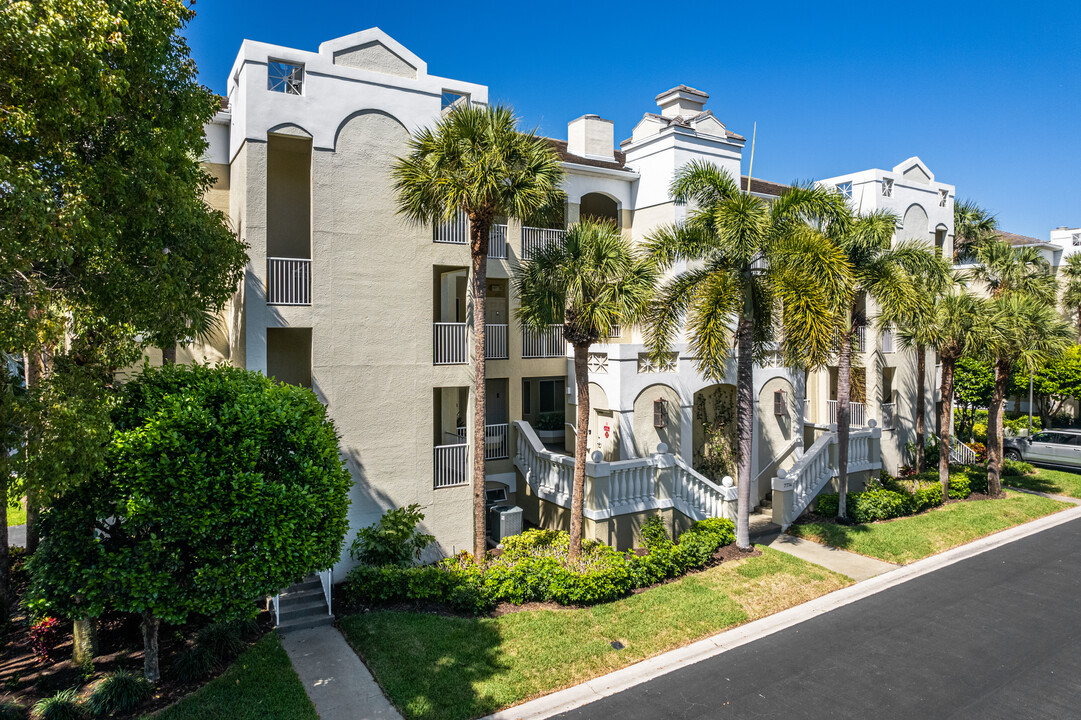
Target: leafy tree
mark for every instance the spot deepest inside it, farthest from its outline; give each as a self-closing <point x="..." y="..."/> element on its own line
<point x="1071" y="290"/>
<point x="972" y="226"/>
<point x="219" y="487"/>
<point x="475" y="160"/>
<point x="590" y="283"/>
<point x="1026" y="329"/>
<point x="959" y="322"/>
<point x="763" y="265"/>
<point x="394" y="540"/>
<point x="1056" y="381"/>
<point x="103" y="217"/>
<point x="973" y="382"/>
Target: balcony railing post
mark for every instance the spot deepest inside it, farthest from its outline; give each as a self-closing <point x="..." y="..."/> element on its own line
<point x="289" y="281"/>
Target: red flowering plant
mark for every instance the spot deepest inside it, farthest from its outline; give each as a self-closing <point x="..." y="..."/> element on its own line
<point x="44" y="638"/>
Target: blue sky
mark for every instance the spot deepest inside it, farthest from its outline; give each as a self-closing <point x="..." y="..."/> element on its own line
<point x="988" y="94"/>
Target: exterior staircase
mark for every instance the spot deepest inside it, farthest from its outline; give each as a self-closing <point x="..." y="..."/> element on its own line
<point x="303" y="605"/>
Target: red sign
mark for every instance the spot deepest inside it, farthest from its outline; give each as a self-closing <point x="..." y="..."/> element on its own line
<point x="606" y="429"/>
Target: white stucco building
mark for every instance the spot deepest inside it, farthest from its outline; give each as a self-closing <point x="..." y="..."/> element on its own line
<point x="344" y="296"/>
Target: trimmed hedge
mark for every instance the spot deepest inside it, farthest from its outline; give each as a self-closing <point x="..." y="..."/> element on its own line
<point x="867" y="506"/>
<point x="534" y="568"/>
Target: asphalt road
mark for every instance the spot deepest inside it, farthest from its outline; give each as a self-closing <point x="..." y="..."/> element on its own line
<point x="994" y="636"/>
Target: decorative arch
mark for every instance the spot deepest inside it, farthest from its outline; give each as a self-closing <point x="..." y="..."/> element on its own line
<point x="367" y="111"/>
<point x="289" y="128"/>
<point x="647" y="434"/>
<point x="915" y="223"/>
<point x="714" y="431"/>
<point x="599" y="205"/>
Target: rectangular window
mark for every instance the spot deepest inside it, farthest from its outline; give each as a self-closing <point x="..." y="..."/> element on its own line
<point x="943" y="197"/>
<point x="780" y="407"/>
<point x="525" y="398"/>
<point x="1077" y="240"/>
<point x="452" y="99"/>
<point x="285" y="77"/>
<point x="845" y="189"/>
<point x="547" y="396"/>
<point x="660" y="413"/>
<point x="887" y="187"/>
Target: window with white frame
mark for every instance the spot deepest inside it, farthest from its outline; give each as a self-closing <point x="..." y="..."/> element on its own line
<point x="453" y="99"/>
<point x="285" y="77"/>
<point x="845" y="189"/>
<point x="1077" y="239"/>
<point x="943" y="197"/>
<point x="780" y="404"/>
<point x="887" y="187"/>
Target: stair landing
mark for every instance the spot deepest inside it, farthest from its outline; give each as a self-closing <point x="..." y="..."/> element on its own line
<point x="303" y="605"/>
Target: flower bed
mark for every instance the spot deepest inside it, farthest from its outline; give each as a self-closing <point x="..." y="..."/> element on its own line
<point x="535" y="567"/>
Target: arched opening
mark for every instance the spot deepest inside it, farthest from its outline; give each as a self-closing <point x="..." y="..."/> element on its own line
<point x="657" y="419"/>
<point x="713" y="441"/>
<point x="599" y="207"/>
<point x="778" y="418"/>
<point x="915" y="223"/>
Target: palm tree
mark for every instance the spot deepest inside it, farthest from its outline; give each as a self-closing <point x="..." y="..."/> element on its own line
<point x="757" y="271"/>
<point x="476" y="161"/>
<point x="960" y="322"/>
<point x="1071" y="291"/>
<point x="590" y="283"/>
<point x="972" y="226"/>
<point x="1026" y="328"/>
<point x="917" y="329"/>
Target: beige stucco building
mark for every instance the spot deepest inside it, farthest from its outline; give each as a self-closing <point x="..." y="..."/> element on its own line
<point x="372" y="312"/>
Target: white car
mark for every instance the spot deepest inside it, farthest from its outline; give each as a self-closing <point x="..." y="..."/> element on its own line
<point x="1047" y="447"/>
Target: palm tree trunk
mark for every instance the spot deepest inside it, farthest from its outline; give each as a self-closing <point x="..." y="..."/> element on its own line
<point x="921" y="410"/>
<point x="944" y="426"/>
<point x="478" y="230"/>
<point x="1079" y="324"/>
<point x="744" y="430"/>
<point x="844" y="391"/>
<point x="994" y="429"/>
<point x="581" y="380"/>
<point x="168" y="353"/>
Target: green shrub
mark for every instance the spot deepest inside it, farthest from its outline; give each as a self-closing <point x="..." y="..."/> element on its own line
<point x="551" y="422"/>
<point x="1017" y="468"/>
<point x="868" y="506"/>
<point x="960" y="486"/>
<point x="119" y="691"/>
<point x="221" y="640"/>
<point x="62" y="706"/>
<point x="654" y="533"/>
<point x="394" y="540"/>
<point x="194" y="664"/>
<point x="12" y="710"/>
<point x="926" y="495"/>
<point x="469" y="599"/>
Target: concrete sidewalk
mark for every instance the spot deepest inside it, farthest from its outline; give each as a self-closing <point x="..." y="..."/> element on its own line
<point x="335" y="679"/>
<point x="855" y="566"/>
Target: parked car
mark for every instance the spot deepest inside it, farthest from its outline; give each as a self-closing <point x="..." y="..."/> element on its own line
<point x="1048" y="447"/>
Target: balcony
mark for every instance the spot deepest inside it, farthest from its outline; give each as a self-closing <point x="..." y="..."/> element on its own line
<point x="544" y="344"/>
<point x="451" y="343"/>
<point x="450" y="465"/>
<point x="536" y="239"/>
<point x="456" y="232"/>
<point x="496" y="442"/>
<point x="857" y="416"/>
<point x="859" y="340"/>
<point x="495" y="342"/>
<point x="289" y="281"/>
<point x="887" y="340"/>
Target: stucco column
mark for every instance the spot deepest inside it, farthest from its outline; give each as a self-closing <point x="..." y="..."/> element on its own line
<point x="572" y="212"/>
<point x="686" y="433"/>
<point x="625" y="418"/>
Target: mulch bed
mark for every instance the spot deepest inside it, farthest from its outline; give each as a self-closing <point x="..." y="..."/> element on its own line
<point x="120" y="645"/>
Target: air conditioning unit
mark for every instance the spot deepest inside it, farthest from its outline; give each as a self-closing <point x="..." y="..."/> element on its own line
<point x="504" y="521"/>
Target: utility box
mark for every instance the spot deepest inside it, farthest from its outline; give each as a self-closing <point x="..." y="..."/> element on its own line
<point x="504" y="521"/>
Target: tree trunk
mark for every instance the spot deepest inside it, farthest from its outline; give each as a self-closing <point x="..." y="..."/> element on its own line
<point x="478" y="231"/>
<point x="921" y="381"/>
<point x="744" y="430"/>
<point x="5" y="555"/>
<point x="944" y="426"/>
<point x="581" y="445"/>
<point x="1079" y="324"/>
<point x="84" y="642"/>
<point x="35" y="373"/>
<point x="844" y="391"/>
<point x="168" y="353"/>
<point x="150" y="627"/>
<point x="994" y="429"/>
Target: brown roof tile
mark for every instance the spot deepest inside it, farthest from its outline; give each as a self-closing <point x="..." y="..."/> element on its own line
<point x="762" y="187"/>
<point x="560" y="146"/>
<point x="1015" y="239"/>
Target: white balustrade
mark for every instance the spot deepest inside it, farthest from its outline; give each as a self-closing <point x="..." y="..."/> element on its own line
<point x="535" y="239"/>
<point x="289" y="281"/>
<point x="495" y="341"/>
<point x="451" y="343"/>
<point x="450" y="465"/>
<point x="545" y="344"/>
<point x="857" y="413"/>
<point x="456" y="232"/>
<point x="961" y="453"/>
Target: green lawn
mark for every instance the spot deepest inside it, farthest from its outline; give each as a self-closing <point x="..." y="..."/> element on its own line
<point x="17" y="515"/>
<point x="918" y="536"/>
<point x="260" y="685"/>
<point x="442" y="667"/>
<point x="1055" y="482"/>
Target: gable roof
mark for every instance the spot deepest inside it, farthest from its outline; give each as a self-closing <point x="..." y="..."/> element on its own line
<point x="560" y="146"/>
<point x="1015" y="239"/>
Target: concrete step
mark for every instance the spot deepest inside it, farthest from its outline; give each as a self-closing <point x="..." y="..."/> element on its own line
<point x="761" y="523"/>
<point x="309" y="583"/>
<point x="293" y="612"/>
<point x="304" y="596"/>
<point x="306" y="622"/>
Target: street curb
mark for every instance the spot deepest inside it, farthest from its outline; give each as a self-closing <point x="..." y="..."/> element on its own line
<point x="632" y="675"/>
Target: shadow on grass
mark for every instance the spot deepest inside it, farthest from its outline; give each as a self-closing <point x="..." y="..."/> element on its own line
<point x="1037" y="482"/>
<point x="831" y="533"/>
<point x="431" y="666"/>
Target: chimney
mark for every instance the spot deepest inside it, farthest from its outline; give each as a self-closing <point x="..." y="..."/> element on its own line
<point x="591" y="136"/>
<point x="682" y="101"/>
